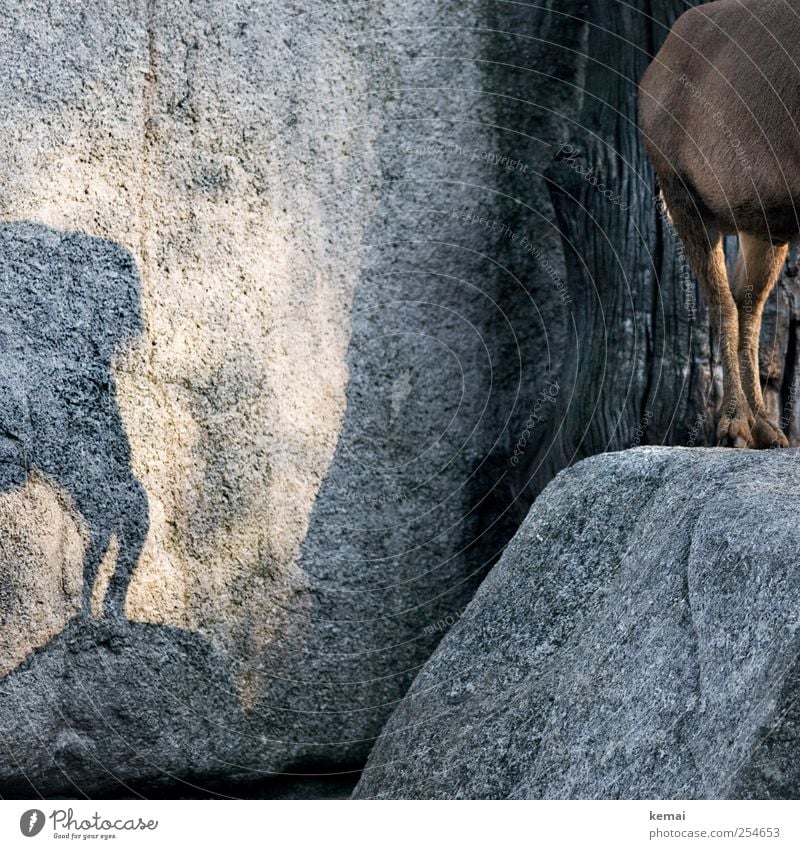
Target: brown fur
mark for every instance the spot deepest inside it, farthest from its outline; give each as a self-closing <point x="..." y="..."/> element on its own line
<point x="719" y="111"/>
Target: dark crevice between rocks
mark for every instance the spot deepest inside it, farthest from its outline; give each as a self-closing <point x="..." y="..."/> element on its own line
<point x="312" y="783"/>
<point x="789" y="382"/>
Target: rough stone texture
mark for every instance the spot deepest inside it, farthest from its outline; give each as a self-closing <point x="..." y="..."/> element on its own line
<point x="639" y="638"/>
<point x="41" y="550"/>
<point x="284" y="307"/>
<point x="253" y="360"/>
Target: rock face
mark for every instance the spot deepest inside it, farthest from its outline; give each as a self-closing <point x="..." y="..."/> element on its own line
<point x="287" y="341"/>
<point x="252" y="373"/>
<point x="640" y="638"/>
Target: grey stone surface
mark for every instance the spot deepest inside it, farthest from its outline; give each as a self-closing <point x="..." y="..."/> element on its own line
<point x="282" y="289"/>
<point x="257" y="368"/>
<point x="640" y="638"/>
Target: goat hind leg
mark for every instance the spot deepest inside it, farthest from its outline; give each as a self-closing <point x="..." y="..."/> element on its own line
<point x="702" y="241"/>
<point x="131" y="528"/>
<point x="757" y="268"/>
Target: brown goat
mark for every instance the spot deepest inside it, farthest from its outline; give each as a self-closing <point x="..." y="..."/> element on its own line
<point x="719" y="111"/>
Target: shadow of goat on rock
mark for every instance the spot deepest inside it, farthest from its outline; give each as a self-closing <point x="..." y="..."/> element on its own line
<point x="68" y="303"/>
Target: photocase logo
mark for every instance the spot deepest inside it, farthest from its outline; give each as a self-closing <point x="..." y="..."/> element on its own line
<point x="31" y="822"/>
<point x="66" y="825"/>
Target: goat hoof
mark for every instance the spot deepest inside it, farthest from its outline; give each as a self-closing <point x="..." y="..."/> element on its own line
<point x="735" y="430"/>
<point x="766" y="435"/>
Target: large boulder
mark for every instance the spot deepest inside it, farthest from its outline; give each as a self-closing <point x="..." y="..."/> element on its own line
<point x="640" y="638"/>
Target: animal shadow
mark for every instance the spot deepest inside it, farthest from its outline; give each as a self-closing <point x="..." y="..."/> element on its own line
<point x="68" y="304"/>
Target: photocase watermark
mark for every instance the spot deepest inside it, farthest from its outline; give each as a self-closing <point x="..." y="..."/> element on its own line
<point x="401" y="390"/>
<point x="32" y="822"/>
<point x="718" y="118"/>
<point x="501" y="229"/>
<point x="445" y="623"/>
<point x="474" y="154"/>
<point x="641" y="430"/>
<point x="66" y="826"/>
<point x="786" y="413"/>
<point x="545" y="398"/>
<point x="549" y="269"/>
<point x="687" y="282"/>
<point x="569" y="155"/>
<point x="388" y="498"/>
<point x="698" y="428"/>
